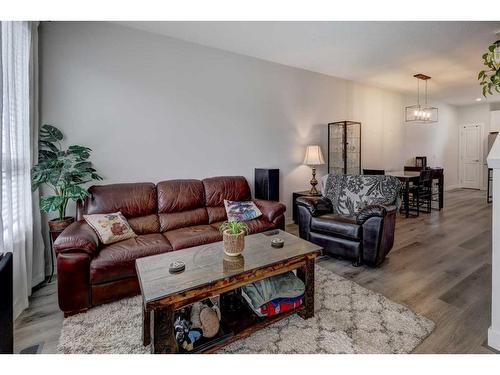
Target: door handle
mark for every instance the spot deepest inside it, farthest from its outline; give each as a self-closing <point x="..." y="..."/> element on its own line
<point x="476" y="160"/>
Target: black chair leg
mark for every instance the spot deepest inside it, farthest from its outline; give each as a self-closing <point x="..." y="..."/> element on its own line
<point x="358" y="262"/>
<point x="418" y="203"/>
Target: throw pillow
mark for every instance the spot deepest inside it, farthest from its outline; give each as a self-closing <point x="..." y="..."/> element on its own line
<point x="241" y="211"/>
<point x="110" y="228"/>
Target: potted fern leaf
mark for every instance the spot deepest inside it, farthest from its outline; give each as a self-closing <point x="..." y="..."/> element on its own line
<point x="63" y="171"/>
<point x="233" y="234"/>
<point x="489" y="78"/>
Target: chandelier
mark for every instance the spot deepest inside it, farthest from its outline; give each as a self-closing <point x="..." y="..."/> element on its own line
<point x="421" y="113"/>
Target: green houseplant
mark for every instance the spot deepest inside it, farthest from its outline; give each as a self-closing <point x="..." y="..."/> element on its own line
<point x="489" y="79"/>
<point x="233" y="234"/>
<point x="63" y="171"/>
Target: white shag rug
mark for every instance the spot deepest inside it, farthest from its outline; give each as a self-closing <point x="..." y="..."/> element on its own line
<point x="348" y="319"/>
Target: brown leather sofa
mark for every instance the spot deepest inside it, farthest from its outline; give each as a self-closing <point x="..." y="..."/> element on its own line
<point x="169" y="216"/>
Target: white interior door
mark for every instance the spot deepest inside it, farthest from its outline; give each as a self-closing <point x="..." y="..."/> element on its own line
<point x="471" y="155"/>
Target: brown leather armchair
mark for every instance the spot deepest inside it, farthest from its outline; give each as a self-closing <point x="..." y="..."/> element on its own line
<point x="365" y="238"/>
<point x="169" y="216"/>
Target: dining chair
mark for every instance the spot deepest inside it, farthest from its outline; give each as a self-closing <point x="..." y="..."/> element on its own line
<point x="437" y="178"/>
<point x="421" y="193"/>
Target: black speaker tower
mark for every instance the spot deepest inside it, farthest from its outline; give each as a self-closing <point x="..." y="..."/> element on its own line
<point x="267" y="184"/>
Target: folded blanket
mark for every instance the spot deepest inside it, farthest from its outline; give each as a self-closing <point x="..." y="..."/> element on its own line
<point x="286" y="285"/>
<point x="276" y="306"/>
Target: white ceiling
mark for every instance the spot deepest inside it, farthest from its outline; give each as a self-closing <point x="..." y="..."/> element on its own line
<point x="384" y="54"/>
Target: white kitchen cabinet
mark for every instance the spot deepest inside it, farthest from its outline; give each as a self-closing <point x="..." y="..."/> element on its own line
<point x="495" y="121"/>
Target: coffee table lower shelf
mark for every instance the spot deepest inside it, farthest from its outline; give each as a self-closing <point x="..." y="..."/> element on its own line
<point x="245" y="325"/>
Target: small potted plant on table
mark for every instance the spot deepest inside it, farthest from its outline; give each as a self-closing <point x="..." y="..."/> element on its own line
<point x="63" y="171"/>
<point x="233" y="234"/>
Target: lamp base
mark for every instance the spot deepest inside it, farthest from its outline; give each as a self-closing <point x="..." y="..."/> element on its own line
<point x="313" y="182"/>
<point x="313" y="191"/>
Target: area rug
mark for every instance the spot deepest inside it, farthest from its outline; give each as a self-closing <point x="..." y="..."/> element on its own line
<point x="348" y="319"/>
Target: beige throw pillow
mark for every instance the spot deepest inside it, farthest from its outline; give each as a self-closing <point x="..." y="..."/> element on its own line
<point x="110" y="227"/>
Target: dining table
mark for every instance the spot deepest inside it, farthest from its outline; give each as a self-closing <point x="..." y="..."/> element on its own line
<point x="412" y="175"/>
<point x="406" y="177"/>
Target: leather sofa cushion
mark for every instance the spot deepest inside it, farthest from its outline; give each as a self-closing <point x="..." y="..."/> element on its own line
<point x="177" y="220"/>
<point x="145" y="224"/>
<point x="216" y="214"/>
<point x="181" y="203"/>
<point x="180" y="195"/>
<point x="117" y="261"/>
<point x="132" y="200"/>
<point x="219" y="188"/>
<point x="255" y="226"/>
<point x="192" y="236"/>
<point x="231" y="188"/>
<point x="338" y="225"/>
<point x="137" y="202"/>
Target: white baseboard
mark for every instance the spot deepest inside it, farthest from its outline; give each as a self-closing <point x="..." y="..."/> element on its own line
<point x="494" y="338"/>
<point x="451" y="187"/>
<point x="19" y="305"/>
<point x="38" y="279"/>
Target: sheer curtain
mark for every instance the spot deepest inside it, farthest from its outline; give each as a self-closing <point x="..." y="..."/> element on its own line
<point x="20" y="218"/>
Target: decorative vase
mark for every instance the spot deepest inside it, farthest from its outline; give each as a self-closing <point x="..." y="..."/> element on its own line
<point x="57" y="226"/>
<point x="234" y="244"/>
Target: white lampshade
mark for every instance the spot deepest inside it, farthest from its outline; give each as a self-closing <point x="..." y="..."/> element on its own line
<point x="314" y="156"/>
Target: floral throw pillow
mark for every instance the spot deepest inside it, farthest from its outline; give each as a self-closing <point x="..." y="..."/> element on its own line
<point x="110" y="228"/>
<point x="241" y="211"/>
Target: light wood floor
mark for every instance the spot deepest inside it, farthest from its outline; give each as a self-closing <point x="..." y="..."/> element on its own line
<point x="440" y="267"/>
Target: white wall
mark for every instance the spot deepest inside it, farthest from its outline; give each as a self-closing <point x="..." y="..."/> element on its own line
<point x="438" y="141"/>
<point x="155" y="108"/>
<point x="382" y="129"/>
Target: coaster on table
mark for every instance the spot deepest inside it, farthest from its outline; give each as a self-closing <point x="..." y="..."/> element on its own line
<point x="271" y="232"/>
<point x="177" y="267"/>
<point x="277" y="242"/>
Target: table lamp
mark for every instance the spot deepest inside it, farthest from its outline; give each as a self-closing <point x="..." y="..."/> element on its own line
<point x="313" y="158"/>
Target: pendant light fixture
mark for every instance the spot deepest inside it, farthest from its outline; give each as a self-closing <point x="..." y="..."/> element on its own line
<point x="422" y="112"/>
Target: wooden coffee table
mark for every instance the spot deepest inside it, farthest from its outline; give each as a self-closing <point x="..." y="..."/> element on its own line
<point x="209" y="273"/>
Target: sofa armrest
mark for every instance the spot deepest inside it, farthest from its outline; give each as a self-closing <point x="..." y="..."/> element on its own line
<point x="73" y="282"/>
<point x="78" y="237"/>
<point x="315" y="205"/>
<point x="373" y="210"/>
<point x="270" y="209"/>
